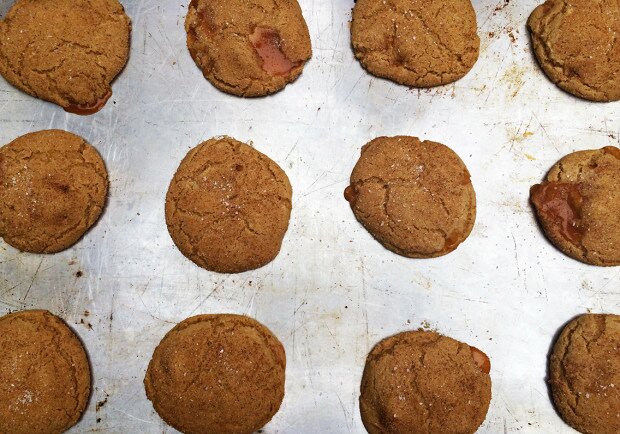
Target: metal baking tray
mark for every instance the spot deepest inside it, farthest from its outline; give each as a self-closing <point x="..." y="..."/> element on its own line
<point x="333" y="291"/>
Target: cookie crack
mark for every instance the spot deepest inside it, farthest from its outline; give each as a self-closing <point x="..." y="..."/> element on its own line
<point x="415" y="13"/>
<point x="393" y="224"/>
<point x="70" y="362"/>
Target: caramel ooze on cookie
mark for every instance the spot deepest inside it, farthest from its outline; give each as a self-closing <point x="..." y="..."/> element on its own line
<point x="91" y="108"/>
<point x="452" y="241"/>
<point x="268" y="46"/>
<point x="350" y="194"/>
<point x="561" y="202"/>
<point x="481" y="359"/>
<point x="612" y="150"/>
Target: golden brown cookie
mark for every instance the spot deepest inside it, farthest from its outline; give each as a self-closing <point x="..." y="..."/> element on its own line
<point x="415" y="198"/>
<point x="53" y="187"/>
<point x="420" y="382"/>
<point x="248" y="47"/>
<point x="578" y="205"/>
<point x="228" y="206"/>
<point x="217" y="374"/>
<point x="44" y="374"/>
<point x="419" y="43"/>
<point x="584" y="373"/>
<point x="576" y="44"/>
<point x="65" y="51"/>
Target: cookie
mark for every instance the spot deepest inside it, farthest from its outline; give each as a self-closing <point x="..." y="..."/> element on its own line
<point x="578" y="206"/>
<point x="228" y="206"/>
<point x="414" y="197"/>
<point x="420" y="382"/>
<point x="584" y="374"/>
<point x="65" y="51"/>
<point x="248" y="47"/>
<point x="53" y="187"/>
<point x="44" y="374"/>
<point x="576" y="44"/>
<point x="217" y="374"/>
<point x="417" y="43"/>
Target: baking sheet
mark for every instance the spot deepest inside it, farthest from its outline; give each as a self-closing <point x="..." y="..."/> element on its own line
<point x="333" y="291"/>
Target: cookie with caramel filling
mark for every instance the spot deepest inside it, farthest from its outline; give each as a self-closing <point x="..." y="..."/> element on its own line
<point x="576" y="43"/>
<point x="420" y="43"/>
<point x="228" y="206"/>
<point x="53" y="188"/>
<point x="248" y="47"/>
<point x="44" y="374"/>
<point x="584" y="373"/>
<point x="420" y="382"/>
<point x="67" y="52"/>
<point x="217" y="374"/>
<point x="415" y="197"/>
<point x="578" y="205"/>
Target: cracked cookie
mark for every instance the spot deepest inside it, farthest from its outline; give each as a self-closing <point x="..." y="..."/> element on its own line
<point x="584" y="374"/>
<point x="44" y="374"/>
<point x="578" y="206"/>
<point x="53" y="189"/>
<point x="417" y="43"/>
<point x="228" y="206"/>
<point x="414" y="197"/>
<point x="67" y="52"/>
<point x="217" y="374"/>
<point x="248" y="47"/>
<point x="576" y="44"/>
<point x="420" y="382"/>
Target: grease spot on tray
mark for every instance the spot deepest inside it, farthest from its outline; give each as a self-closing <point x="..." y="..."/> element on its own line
<point x="425" y="325"/>
<point x="513" y="77"/>
<point x="102" y="403"/>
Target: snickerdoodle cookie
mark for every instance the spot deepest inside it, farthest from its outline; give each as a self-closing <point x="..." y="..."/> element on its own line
<point x="420" y="382"/>
<point x="576" y="43"/>
<point x="53" y="187"/>
<point x="217" y="374"/>
<point x="228" y="206"/>
<point x="415" y="197"/>
<point x="248" y="47"/>
<point x="44" y="374"/>
<point x="584" y="373"/>
<point x="419" y="43"/>
<point x="65" y="51"/>
<point x="578" y="205"/>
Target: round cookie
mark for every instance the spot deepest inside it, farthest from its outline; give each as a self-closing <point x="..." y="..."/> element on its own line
<point x="44" y="374"/>
<point x="53" y="187"/>
<point x="417" y="43"/>
<point x="584" y="373"/>
<point x="414" y="197"/>
<point x="420" y="382"/>
<point x="65" y="51"/>
<point x="576" y="44"/>
<point x="248" y="47"/>
<point x="217" y="374"/>
<point x="578" y="205"/>
<point x="228" y="206"/>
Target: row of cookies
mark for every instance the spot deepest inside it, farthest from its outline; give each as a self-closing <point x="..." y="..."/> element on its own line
<point x="69" y="52"/>
<point x="413" y="382"/>
<point x="228" y="205"/>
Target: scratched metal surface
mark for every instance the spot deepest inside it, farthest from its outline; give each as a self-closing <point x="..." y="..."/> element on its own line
<point x="333" y="291"/>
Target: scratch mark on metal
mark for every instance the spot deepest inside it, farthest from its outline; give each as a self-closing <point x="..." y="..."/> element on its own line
<point x="33" y="279"/>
